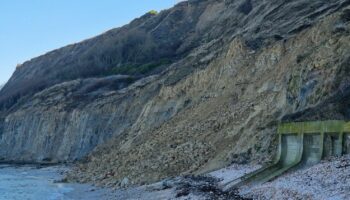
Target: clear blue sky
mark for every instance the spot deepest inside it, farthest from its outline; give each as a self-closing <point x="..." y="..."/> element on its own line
<point x="29" y="28"/>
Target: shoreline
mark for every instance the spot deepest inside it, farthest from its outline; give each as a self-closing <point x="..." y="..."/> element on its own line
<point x="331" y="173"/>
<point x="44" y="182"/>
<point x="12" y="162"/>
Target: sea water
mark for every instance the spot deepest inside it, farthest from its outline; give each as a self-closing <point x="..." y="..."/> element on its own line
<point x="32" y="183"/>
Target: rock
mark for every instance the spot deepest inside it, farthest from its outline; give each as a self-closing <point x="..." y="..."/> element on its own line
<point x="124" y="183"/>
<point x="321" y="181"/>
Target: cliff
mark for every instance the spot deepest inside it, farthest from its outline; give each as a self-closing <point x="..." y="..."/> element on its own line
<point x="188" y="90"/>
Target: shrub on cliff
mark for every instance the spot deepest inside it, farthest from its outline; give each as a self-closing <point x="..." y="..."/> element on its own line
<point x="153" y="12"/>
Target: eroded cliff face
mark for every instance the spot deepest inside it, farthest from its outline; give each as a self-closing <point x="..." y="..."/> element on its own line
<point x="231" y="107"/>
<point x="261" y="62"/>
<point x="65" y="122"/>
<point x="137" y="49"/>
